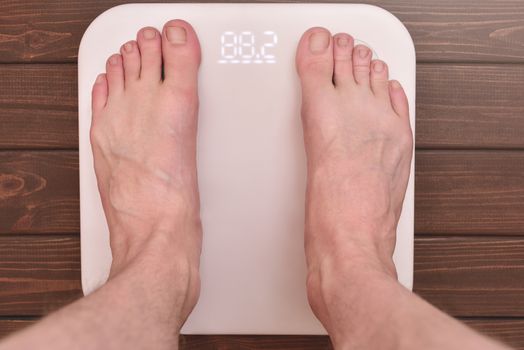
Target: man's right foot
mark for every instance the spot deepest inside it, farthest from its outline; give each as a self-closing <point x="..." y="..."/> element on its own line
<point x="143" y="136"/>
<point x="359" y="146"/>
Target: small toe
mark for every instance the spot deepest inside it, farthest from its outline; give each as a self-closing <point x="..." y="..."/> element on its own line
<point x="181" y="54"/>
<point x="99" y="95"/>
<point x="115" y="74"/>
<point x="379" y="78"/>
<point x="149" y="44"/>
<point x="343" y="59"/>
<point x="361" y="64"/>
<point x="314" y="58"/>
<point x="399" y="100"/>
<point x="131" y="57"/>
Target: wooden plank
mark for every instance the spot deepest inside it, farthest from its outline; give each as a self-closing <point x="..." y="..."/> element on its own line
<point x="39" y="274"/>
<point x="471" y="276"/>
<point x="254" y="342"/>
<point x="470" y="106"/>
<point x="510" y="331"/>
<point x="448" y="30"/>
<point x="39" y="192"/>
<point x="465" y="277"/>
<point x="458" y="106"/>
<point x="469" y="192"/>
<point x="38" y="106"/>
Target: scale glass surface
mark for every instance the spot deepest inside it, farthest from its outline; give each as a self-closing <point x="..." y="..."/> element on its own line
<point x="251" y="159"/>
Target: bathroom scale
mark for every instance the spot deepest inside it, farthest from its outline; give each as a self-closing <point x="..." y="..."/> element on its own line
<point x="251" y="158"/>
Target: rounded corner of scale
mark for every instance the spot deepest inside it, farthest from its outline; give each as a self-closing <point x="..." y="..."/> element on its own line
<point x="110" y="12"/>
<point x="409" y="284"/>
<point x="86" y="289"/>
<point x="394" y="20"/>
<point x="88" y="283"/>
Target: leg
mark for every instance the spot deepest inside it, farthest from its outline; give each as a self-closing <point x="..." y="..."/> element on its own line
<point x="144" y="144"/>
<point x="359" y="144"/>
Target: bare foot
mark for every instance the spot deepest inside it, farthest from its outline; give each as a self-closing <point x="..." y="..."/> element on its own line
<point x="144" y="144"/>
<point x="359" y="145"/>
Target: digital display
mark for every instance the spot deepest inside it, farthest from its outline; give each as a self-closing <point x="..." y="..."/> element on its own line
<point x="248" y="47"/>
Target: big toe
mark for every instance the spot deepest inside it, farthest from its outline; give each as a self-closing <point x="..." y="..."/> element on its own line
<point x="181" y="53"/>
<point x="314" y="59"/>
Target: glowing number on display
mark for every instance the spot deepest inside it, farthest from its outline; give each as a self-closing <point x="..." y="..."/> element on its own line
<point x="241" y="48"/>
<point x="273" y="43"/>
<point x="229" y="45"/>
<point x="246" y="43"/>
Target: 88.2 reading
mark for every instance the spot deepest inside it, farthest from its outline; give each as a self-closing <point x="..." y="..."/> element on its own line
<point x="246" y="47"/>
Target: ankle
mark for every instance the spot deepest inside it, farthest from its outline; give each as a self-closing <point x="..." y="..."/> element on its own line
<point x="347" y="297"/>
<point x="162" y="281"/>
<point x="346" y="280"/>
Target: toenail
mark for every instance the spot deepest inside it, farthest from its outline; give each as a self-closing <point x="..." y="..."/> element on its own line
<point x="99" y="79"/>
<point x="378" y="67"/>
<point x="363" y="53"/>
<point x="319" y="42"/>
<point x="128" y="47"/>
<point x="176" y="35"/>
<point x="113" y="60"/>
<point x="395" y="84"/>
<point x="149" y="33"/>
<point x="342" y="41"/>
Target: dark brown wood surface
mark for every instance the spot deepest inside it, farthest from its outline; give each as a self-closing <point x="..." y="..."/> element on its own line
<point x="469" y="250"/>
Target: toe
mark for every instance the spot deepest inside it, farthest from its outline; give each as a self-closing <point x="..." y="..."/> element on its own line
<point x="131" y="58"/>
<point x="399" y="101"/>
<point x="115" y="74"/>
<point x="379" y="78"/>
<point x="99" y="95"/>
<point x="181" y="53"/>
<point x="342" y="53"/>
<point x="361" y="62"/>
<point x="314" y="58"/>
<point x="150" y="54"/>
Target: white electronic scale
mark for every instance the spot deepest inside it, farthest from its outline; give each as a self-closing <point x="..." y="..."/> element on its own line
<point x="251" y="159"/>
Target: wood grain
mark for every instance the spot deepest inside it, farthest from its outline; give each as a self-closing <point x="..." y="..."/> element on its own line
<point x="447" y="30"/>
<point x="470" y="106"/>
<point x="475" y="276"/>
<point x="469" y="192"/>
<point x="471" y="276"/>
<point x="39" y="192"/>
<point x="38" y="274"/>
<point x="458" y="106"/>
<point x="38" y="106"/>
<point x="510" y="331"/>
<point x="254" y="342"/>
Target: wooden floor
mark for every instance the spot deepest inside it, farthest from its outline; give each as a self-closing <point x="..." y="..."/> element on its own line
<point x="469" y="254"/>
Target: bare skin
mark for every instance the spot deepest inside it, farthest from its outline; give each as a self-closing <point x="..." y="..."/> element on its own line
<point x="359" y="145"/>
